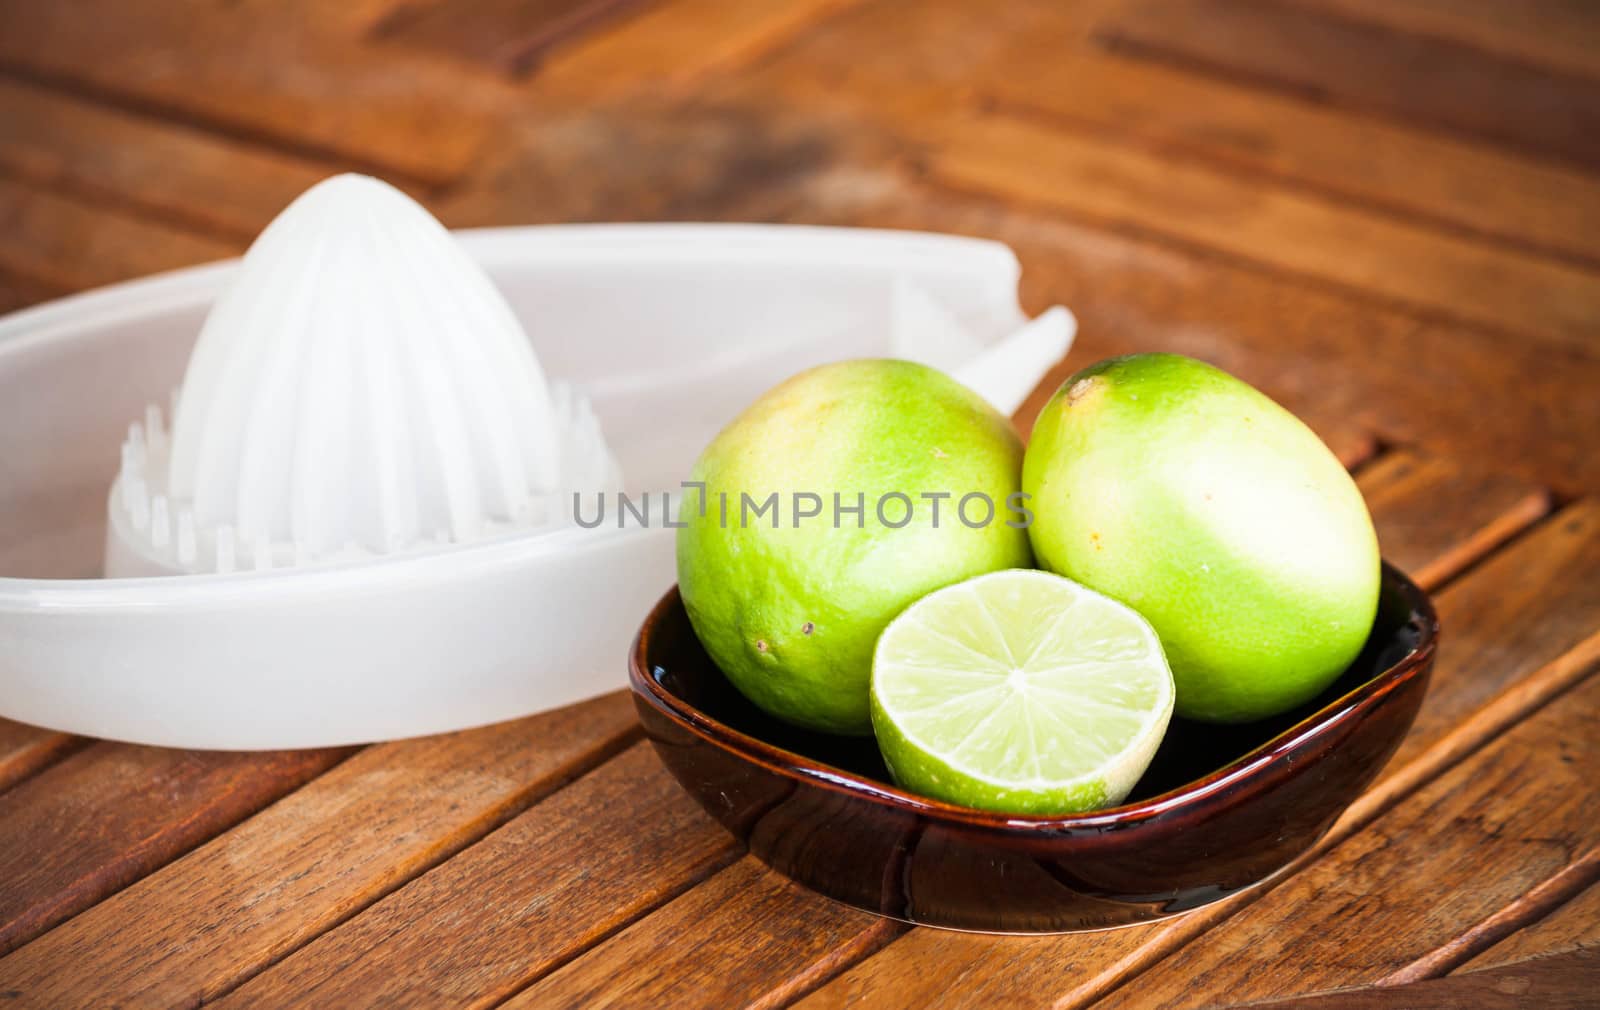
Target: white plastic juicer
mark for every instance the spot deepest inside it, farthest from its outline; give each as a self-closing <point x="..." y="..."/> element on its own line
<point x="360" y="388"/>
<point x="359" y="526"/>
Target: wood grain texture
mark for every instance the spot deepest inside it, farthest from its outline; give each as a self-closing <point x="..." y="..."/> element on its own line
<point x="1521" y="806"/>
<point x="508" y="35"/>
<point x="1417" y="79"/>
<point x="1523" y="608"/>
<point x="111" y="813"/>
<point x="1438" y="182"/>
<point x="645" y="159"/>
<point x="528" y="897"/>
<point x="1530" y="906"/>
<point x="1382" y="213"/>
<point x="19" y="292"/>
<point x="64" y="243"/>
<point x="672" y="46"/>
<point x="1574" y="925"/>
<point x="1455" y="391"/>
<point x="1365" y="251"/>
<point x="1033" y="60"/>
<point x="758" y="941"/>
<point x="171" y="172"/>
<point x="1435" y="517"/>
<point x="26" y="749"/>
<point x="1562" y="35"/>
<point x="201" y="925"/>
<point x="1479" y="612"/>
<point x="266" y="73"/>
<point x="1561" y="982"/>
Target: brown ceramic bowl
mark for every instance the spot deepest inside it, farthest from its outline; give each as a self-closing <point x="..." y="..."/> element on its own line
<point x="1220" y="809"/>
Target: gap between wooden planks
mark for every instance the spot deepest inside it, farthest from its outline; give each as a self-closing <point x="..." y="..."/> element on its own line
<point x="26" y="750"/>
<point x="1370" y="207"/>
<point x="1550" y="33"/>
<point x="157" y="163"/>
<point x="194" y="929"/>
<point x="299" y="79"/>
<point x="1573" y="926"/>
<point x="1558" y="981"/>
<point x="1437" y="275"/>
<point x="744" y="908"/>
<point x="1035" y="61"/>
<point x="1348" y="59"/>
<point x="110" y="813"/>
<point x="532" y="895"/>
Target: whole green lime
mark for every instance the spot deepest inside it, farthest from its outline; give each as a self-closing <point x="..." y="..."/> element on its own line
<point x="836" y="500"/>
<point x="1187" y="494"/>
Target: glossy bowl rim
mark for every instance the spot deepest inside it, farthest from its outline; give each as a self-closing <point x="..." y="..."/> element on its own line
<point x="802" y="769"/>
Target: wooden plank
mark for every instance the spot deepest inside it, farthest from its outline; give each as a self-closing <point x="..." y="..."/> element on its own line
<point x="248" y="72"/>
<point x="1559" y="34"/>
<point x="532" y="895"/>
<point x="1030" y="60"/>
<point x="673" y="45"/>
<point x="511" y="36"/>
<point x="1524" y="806"/>
<point x="1522" y="608"/>
<point x="1575" y="925"/>
<point x="1440" y="182"/>
<point x="1405" y="492"/>
<point x="1529" y="906"/>
<point x="26" y="749"/>
<point x="644" y="159"/>
<point x="1437" y="274"/>
<point x="1352" y="445"/>
<point x="55" y="241"/>
<point x="1498" y="638"/>
<point x="20" y="292"/>
<point x="1564" y="980"/>
<point x="110" y="814"/>
<point x="1418" y="79"/>
<point x="195" y="929"/>
<point x="168" y="171"/>
<point x="1321" y="355"/>
<point x="758" y="941"/>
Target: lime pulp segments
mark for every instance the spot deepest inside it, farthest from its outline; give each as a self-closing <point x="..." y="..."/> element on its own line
<point x="1020" y="691"/>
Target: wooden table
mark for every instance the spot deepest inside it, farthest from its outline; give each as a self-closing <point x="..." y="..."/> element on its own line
<point x="1385" y="213"/>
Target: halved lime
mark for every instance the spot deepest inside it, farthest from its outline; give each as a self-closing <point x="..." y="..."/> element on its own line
<point x="1022" y="692"/>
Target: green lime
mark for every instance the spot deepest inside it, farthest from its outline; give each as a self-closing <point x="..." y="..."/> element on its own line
<point x="830" y="505"/>
<point x="1022" y="692"/>
<point x="1174" y="487"/>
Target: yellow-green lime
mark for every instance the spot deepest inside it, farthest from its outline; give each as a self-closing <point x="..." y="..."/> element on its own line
<point x="1174" y="487"/>
<point x="859" y="455"/>
<point x="1021" y="692"/>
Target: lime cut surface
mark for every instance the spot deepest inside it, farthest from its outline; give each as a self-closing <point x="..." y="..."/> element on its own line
<point x="1021" y="692"/>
